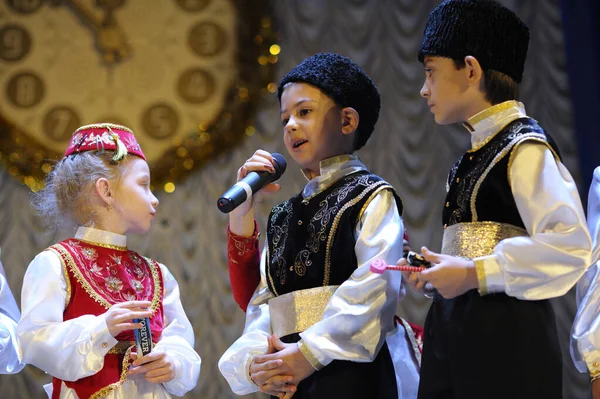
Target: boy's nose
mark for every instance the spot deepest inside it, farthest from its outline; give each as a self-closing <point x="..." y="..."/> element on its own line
<point x="290" y="126"/>
<point x="424" y="90"/>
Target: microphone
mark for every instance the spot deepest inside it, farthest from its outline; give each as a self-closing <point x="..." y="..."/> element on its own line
<point x="250" y="184"/>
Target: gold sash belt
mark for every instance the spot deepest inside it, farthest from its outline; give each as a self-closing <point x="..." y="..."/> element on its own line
<point x="472" y="240"/>
<point x="121" y="347"/>
<point x="298" y="310"/>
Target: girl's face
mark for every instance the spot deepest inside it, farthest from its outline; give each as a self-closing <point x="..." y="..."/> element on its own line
<point x="134" y="204"/>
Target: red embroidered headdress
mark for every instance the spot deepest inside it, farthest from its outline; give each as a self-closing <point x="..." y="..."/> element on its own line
<point x="105" y="136"/>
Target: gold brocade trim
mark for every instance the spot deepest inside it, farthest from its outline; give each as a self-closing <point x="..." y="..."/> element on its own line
<point x="97" y="297"/>
<point x="481" y="279"/>
<point x="66" y="274"/>
<point x="268" y="269"/>
<point x="476" y="239"/>
<point x="336" y="222"/>
<point x="109" y="246"/>
<point x="542" y="140"/>
<point x="104" y="126"/>
<point x="413" y="340"/>
<point x="366" y="205"/>
<point x="312" y="359"/>
<point x="104" y="391"/>
<point x="475" y="119"/>
<point x="498" y="158"/>
<point x="298" y="310"/>
<point x="120" y="348"/>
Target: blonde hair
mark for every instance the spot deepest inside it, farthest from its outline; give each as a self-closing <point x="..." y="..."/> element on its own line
<point x="67" y="199"/>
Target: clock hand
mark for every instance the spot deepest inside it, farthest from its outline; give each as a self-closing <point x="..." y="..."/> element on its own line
<point x="84" y="14"/>
<point x="111" y="38"/>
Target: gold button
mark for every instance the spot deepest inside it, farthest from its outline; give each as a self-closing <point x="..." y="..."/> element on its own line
<point x="299" y="222"/>
<point x="447" y="204"/>
<point x="595" y="364"/>
<point x="445" y="225"/>
<point x="457" y="180"/>
<point x="291" y="268"/>
<point x="471" y="158"/>
<point x="104" y="344"/>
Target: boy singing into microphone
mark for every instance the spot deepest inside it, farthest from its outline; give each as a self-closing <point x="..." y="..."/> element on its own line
<point x="317" y="323"/>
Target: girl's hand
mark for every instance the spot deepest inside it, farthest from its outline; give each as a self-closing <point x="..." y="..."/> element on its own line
<point x="157" y="366"/>
<point x="120" y="315"/>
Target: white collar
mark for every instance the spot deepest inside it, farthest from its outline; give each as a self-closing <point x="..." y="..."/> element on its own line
<point x="92" y="235"/>
<point x="484" y="125"/>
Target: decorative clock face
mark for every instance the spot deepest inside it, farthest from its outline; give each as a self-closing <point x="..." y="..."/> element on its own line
<point x="161" y="67"/>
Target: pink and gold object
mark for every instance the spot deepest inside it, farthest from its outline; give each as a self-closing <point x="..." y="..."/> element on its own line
<point x="379" y="266"/>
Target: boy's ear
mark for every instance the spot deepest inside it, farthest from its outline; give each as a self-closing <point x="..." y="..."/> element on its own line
<point x="103" y="190"/>
<point x="350" y="120"/>
<point x="474" y="70"/>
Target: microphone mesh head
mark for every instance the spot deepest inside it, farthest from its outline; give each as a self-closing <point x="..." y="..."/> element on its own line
<point x="280" y="165"/>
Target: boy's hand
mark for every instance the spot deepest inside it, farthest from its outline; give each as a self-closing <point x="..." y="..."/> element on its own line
<point x="450" y="275"/>
<point x="241" y="219"/>
<point x="265" y="374"/>
<point x="294" y="362"/>
<point x="596" y="389"/>
<point x="412" y="278"/>
<point x="120" y="315"/>
<point x="157" y="366"/>
<point x="261" y="161"/>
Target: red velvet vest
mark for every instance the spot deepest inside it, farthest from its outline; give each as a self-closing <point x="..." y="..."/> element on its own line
<point x="98" y="276"/>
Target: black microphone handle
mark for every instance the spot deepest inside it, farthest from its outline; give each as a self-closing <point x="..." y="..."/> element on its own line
<point x="237" y="194"/>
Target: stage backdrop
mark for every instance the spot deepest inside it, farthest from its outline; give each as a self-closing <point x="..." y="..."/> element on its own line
<point x="407" y="149"/>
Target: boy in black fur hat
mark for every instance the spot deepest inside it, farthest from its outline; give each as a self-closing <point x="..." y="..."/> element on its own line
<point x="514" y="228"/>
<point x="316" y="326"/>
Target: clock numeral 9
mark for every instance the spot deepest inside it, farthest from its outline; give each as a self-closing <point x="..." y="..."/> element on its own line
<point x="25" y="90"/>
<point x="25" y="6"/>
<point x="14" y="43"/>
<point x="60" y="122"/>
<point x="160" y="121"/>
<point x="196" y="85"/>
<point x="207" y="39"/>
<point x="193" y="5"/>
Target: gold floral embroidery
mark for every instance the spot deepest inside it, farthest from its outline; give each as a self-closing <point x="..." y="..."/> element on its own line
<point x="71" y="265"/>
<point x="116" y="259"/>
<point x="113" y="284"/>
<point x="137" y="285"/>
<point x="90" y="253"/>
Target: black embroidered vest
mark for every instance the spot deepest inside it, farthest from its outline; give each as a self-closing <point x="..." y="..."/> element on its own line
<point x="478" y="185"/>
<point x="311" y="243"/>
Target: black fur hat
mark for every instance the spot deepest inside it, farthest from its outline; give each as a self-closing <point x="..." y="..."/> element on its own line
<point x="345" y="83"/>
<point x="483" y="29"/>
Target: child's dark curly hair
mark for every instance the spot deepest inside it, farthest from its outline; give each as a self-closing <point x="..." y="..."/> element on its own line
<point x="345" y="83"/>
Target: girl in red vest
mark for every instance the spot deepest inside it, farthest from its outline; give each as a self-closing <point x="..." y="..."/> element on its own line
<point x="82" y="295"/>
